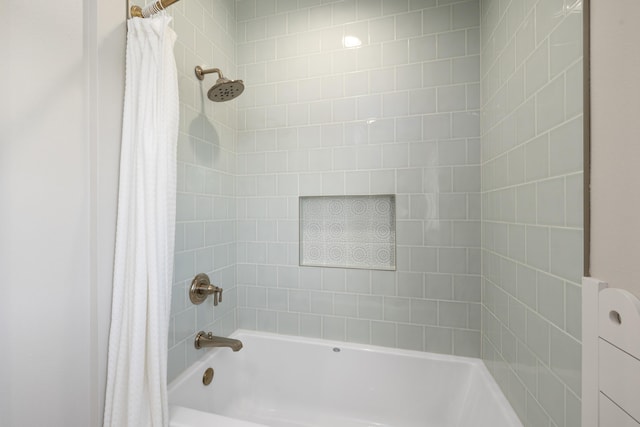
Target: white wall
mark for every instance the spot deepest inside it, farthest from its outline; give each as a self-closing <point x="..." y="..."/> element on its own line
<point x="62" y="68"/>
<point x="615" y="151"/>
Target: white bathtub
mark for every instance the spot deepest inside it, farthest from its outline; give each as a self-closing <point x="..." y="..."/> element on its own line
<point x="282" y="381"/>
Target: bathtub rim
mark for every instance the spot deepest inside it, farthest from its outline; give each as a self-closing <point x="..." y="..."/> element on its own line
<point x="478" y="366"/>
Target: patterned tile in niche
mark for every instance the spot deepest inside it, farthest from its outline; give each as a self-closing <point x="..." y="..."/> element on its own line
<point x="348" y="231"/>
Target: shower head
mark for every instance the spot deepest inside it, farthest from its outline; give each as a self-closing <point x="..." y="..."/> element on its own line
<point x="224" y="89"/>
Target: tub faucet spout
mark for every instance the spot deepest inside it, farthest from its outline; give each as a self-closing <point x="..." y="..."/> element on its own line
<point x="207" y="339"/>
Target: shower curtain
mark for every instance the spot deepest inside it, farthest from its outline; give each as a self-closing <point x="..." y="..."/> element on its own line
<point x="136" y="393"/>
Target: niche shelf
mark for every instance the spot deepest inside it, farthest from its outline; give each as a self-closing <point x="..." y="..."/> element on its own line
<point x="348" y="231"/>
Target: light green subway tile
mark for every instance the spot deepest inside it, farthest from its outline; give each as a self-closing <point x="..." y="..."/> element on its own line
<point x="566" y="43"/>
<point x="537" y="158"/>
<point x="438" y="340"/>
<point x="565" y="147"/>
<point x="574" y="204"/>
<point x="508" y="205"/>
<point x="517" y="395"/>
<point x="527" y="286"/>
<point x="176" y="361"/>
<point x="526" y="367"/>
<point x="538" y="247"/>
<point x="277" y="299"/>
<point x="424" y="312"/>
<point x="397" y="309"/>
<point x="466" y="343"/>
<point x="501" y="373"/>
<point x="491" y="328"/>
<point x="538" y="336"/>
<point x="551" y="209"/>
<point x="473" y="41"/>
<point x="410" y="337"/>
<point x="358" y="331"/>
<point x="508" y="60"/>
<point x="358" y="281"/>
<point x="575" y="91"/>
<point x="515" y="90"/>
<point x="551" y="394"/>
<point x="551" y="299"/>
<point x="453" y="314"/>
<point x="452" y="260"/>
<point x="548" y="14"/>
<point x="567" y="253"/>
<point x="383" y="282"/>
<point x="370" y="307"/>
<point x="288" y="323"/>
<point x="299" y="301"/>
<point x="247" y="318"/>
<point x="466" y="234"/>
<point x="526" y="204"/>
<point x="438" y="286"/>
<point x="436" y="233"/>
<point x="474" y="209"/>
<point x="537" y="69"/>
<point x="566" y="359"/>
<point x="334" y="328"/>
<point x="517" y="242"/>
<point x="550" y="105"/>
<point x="424" y="259"/>
<point x="501" y="238"/>
<point x="525" y="39"/>
<point x="383" y="333"/>
<point x="437" y="20"/>
<point x="345" y="305"/>
<point x="466" y="179"/>
<point x="501" y="171"/>
<point x="501" y="305"/>
<point x="535" y="414"/>
<point x="311" y="325"/>
<point x="467" y="288"/>
<point x="475" y="316"/>
<point x="509" y="276"/>
<point x="573" y="310"/>
<point x="516" y="166"/>
<point x="410" y="284"/>
<point x="509" y="346"/>
<point x="267" y="320"/>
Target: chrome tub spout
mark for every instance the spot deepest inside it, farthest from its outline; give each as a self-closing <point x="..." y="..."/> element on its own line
<point x="204" y="339"/>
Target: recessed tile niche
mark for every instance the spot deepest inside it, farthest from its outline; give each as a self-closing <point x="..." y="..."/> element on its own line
<point x="348" y="231"/>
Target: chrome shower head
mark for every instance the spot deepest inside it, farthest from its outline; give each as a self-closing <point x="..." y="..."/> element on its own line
<point x="224" y="89"/>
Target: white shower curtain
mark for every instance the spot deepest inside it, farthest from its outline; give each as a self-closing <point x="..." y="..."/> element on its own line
<point x="136" y="378"/>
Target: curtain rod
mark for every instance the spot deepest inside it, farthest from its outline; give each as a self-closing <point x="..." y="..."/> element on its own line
<point x="137" y="11"/>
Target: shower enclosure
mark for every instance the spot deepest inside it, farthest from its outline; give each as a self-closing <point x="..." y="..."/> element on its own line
<point x="469" y="112"/>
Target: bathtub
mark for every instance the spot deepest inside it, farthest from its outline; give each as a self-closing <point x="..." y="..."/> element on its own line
<point x="283" y="381"/>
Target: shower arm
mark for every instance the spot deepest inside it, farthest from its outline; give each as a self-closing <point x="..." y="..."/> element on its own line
<point x="200" y="72"/>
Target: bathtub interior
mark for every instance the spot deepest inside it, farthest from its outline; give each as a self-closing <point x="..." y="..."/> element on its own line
<point x="290" y="381"/>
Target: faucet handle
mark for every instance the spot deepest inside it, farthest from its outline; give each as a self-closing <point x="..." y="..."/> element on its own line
<point x="217" y="295"/>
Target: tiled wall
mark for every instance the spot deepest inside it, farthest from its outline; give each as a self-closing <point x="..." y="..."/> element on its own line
<point x="398" y="114"/>
<point x="206" y="211"/>
<point x="532" y="205"/>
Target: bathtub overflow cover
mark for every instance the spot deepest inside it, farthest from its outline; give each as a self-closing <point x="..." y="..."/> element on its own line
<point x="208" y="376"/>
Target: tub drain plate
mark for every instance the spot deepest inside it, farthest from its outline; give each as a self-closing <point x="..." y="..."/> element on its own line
<point x="208" y="376"/>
